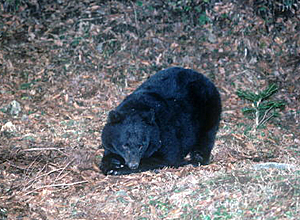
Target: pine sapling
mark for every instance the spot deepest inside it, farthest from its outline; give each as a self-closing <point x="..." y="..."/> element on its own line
<point x="262" y="110"/>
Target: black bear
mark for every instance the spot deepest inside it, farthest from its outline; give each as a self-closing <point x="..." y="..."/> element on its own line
<point x="174" y="113"/>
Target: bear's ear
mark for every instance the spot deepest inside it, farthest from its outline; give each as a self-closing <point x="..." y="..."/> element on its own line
<point x="149" y="116"/>
<point x="114" y="117"/>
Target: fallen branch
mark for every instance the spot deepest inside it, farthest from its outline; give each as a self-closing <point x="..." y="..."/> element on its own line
<point x="40" y="149"/>
<point x="56" y="185"/>
<point x="62" y="184"/>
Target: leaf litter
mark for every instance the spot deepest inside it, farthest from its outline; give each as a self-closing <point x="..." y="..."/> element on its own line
<point x="68" y="63"/>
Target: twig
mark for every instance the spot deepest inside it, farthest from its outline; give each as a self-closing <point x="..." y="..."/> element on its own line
<point x="62" y="170"/>
<point x="40" y="149"/>
<point x="136" y="19"/>
<point x="257" y="113"/>
<point x="62" y="184"/>
<point x="56" y="185"/>
<point x="37" y="177"/>
<point x="265" y="118"/>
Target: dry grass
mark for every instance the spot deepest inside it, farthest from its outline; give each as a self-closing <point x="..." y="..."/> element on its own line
<point x="69" y="69"/>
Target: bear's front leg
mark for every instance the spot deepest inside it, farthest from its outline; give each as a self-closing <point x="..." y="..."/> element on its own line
<point x="111" y="163"/>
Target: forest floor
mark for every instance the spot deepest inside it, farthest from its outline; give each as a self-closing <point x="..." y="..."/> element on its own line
<point x="65" y="64"/>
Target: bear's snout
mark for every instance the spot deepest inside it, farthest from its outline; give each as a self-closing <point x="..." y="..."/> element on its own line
<point x="133" y="165"/>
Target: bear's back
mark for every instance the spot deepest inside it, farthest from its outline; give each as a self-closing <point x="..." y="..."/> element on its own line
<point x="173" y="83"/>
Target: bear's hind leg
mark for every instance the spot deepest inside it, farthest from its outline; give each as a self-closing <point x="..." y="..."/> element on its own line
<point x="201" y="152"/>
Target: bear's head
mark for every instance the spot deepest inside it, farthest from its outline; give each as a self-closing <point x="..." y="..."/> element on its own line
<point x="133" y="135"/>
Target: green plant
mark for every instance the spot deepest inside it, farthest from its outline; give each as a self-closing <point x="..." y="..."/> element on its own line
<point x="191" y="8"/>
<point x="270" y="10"/>
<point x="13" y="5"/>
<point x="262" y="110"/>
<point x="181" y="6"/>
<point x="203" y="19"/>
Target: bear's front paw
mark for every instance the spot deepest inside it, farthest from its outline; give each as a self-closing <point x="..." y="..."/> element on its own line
<point x="199" y="159"/>
<point x="111" y="164"/>
<point x="110" y="169"/>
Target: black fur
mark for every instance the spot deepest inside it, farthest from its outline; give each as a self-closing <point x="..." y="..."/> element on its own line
<point x="174" y="113"/>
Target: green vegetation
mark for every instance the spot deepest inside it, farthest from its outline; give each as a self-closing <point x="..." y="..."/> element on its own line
<point x="262" y="110"/>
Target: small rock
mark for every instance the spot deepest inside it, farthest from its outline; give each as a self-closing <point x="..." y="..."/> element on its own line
<point x="25" y="118"/>
<point x="9" y="127"/>
<point x="212" y="38"/>
<point x="273" y="165"/>
<point x="13" y="108"/>
<point x="100" y="48"/>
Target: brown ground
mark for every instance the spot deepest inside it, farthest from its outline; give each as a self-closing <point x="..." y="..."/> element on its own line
<point x="67" y="64"/>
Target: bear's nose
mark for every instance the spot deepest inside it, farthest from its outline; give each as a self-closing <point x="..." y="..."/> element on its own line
<point x="133" y="165"/>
